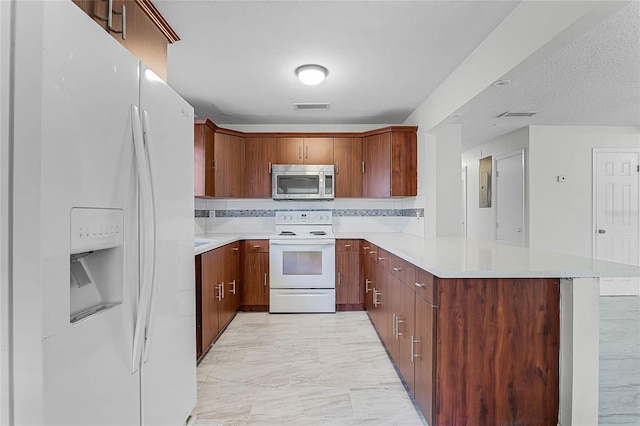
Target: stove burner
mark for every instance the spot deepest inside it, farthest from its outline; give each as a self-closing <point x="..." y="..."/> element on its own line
<point x="287" y="233"/>
<point x="318" y="233"/>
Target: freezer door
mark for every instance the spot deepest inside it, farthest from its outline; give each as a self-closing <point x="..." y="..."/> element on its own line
<point x="169" y="358"/>
<point x="88" y="83"/>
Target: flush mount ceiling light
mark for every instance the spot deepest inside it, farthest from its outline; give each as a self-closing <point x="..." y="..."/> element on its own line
<point x="311" y="74"/>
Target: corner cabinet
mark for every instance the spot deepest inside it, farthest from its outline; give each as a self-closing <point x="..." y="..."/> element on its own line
<point x="389" y="162"/>
<point x="219" y="157"/>
<point x="141" y="29"/>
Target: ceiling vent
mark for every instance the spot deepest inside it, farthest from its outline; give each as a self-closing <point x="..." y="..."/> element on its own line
<point x="510" y="114"/>
<point x="311" y="107"/>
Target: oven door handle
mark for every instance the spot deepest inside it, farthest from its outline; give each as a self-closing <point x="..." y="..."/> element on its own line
<point x="310" y="242"/>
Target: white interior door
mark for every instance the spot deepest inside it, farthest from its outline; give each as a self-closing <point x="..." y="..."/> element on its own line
<point x="616" y="215"/>
<point x="509" y="198"/>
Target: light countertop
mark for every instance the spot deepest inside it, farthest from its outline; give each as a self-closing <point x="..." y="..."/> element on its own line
<point x="462" y="258"/>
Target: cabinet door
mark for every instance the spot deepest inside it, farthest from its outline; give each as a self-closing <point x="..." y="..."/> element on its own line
<point x="255" y="291"/>
<point x="348" y="278"/>
<point x="424" y="358"/>
<point x="405" y="331"/>
<point x="204" y="172"/>
<point x="289" y="151"/>
<point x="404" y="178"/>
<point x="229" y="165"/>
<point x="347" y="157"/>
<point x="231" y="300"/>
<point x="318" y="150"/>
<point x="211" y="263"/>
<point x="260" y="155"/>
<point x="376" y="154"/>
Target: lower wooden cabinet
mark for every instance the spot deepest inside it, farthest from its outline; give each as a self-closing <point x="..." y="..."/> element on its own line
<point x="349" y="294"/>
<point x="475" y="351"/>
<point x="255" y="275"/>
<point x="423" y="345"/>
<point x="217" y="293"/>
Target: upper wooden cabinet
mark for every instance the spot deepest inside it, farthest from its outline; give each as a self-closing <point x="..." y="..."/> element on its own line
<point x="228" y="161"/>
<point x="143" y="30"/>
<point x="260" y="155"/>
<point x="203" y="166"/>
<point x="347" y="157"/>
<point x="380" y="163"/>
<point x="302" y="150"/>
<point x="390" y="162"/>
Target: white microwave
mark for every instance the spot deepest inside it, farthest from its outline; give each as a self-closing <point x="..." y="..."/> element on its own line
<point x="302" y="182"/>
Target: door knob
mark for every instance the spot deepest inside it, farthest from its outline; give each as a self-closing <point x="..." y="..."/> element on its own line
<point x="602" y="231"/>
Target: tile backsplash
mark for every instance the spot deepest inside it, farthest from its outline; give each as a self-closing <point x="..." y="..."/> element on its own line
<point x="349" y="215"/>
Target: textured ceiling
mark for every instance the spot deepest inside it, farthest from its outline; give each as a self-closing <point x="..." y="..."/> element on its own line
<point x="594" y="80"/>
<point x="235" y="64"/>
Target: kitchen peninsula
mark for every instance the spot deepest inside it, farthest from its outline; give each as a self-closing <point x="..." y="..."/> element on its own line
<point x="512" y="333"/>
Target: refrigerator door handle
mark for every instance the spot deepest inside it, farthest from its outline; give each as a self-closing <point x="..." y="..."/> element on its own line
<point x="148" y="144"/>
<point x="147" y="230"/>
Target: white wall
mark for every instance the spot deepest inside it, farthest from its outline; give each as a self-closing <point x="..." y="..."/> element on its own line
<point x="561" y="213"/>
<point x="481" y="221"/>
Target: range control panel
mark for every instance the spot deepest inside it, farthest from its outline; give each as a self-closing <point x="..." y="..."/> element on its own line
<point x="304" y="217"/>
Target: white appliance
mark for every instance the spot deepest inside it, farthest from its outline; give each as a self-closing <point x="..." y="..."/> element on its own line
<point x="302" y="182"/>
<point x="302" y="262"/>
<point x="103" y="307"/>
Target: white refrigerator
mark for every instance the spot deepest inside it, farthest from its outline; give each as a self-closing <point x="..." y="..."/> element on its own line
<point x="99" y="325"/>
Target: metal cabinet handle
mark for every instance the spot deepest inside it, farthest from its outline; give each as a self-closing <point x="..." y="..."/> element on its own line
<point x="236" y="249"/>
<point x="213" y="164"/>
<point x="306" y="152"/>
<point x="366" y="285"/>
<point x="265" y="279"/>
<point x="413" y="352"/>
<point x="337" y="167"/>
<point x="299" y="152"/>
<point x="233" y="290"/>
<point x="219" y="296"/>
<point x="339" y="278"/>
<point x="256" y="246"/>
<point x="123" y="30"/>
<point x="269" y="167"/>
<point x="222" y="285"/>
<point x="602" y="231"/>
<point x="394" y="325"/>
<point x="363" y="167"/>
<point x="376" y="297"/>
<point x="372" y="252"/>
<point x="419" y="285"/>
<point x="381" y="258"/>
<point x="397" y="269"/>
<point x="398" y="322"/>
<point x="366" y="247"/>
<point x="109" y="18"/>
<point x="347" y="245"/>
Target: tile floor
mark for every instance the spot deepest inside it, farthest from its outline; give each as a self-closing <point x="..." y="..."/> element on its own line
<point x="329" y="369"/>
<point x="322" y="369"/>
<point x="619" y="402"/>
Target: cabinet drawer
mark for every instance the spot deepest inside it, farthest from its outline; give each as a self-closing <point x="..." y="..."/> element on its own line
<point x="383" y="258"/>
<point x="347" y="245"/>
<point x="426" y="286"/>
<point x="370" y="251"/>
<point x="403" y="270"/>
<point x="255" y="246"/>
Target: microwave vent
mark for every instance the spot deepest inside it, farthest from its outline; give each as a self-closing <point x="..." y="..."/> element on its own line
<point x="311" y="106"/>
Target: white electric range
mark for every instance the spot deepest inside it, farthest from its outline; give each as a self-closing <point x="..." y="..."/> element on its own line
<point x="302" y="262"/>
